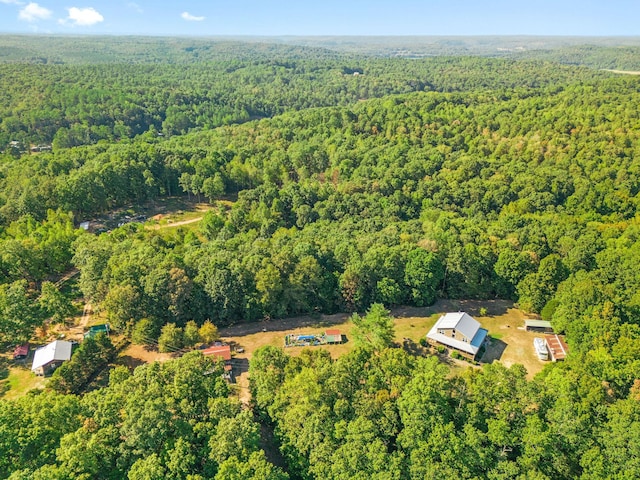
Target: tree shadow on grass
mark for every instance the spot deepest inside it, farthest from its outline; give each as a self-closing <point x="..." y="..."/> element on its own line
<point x="493" y="352"/>
<point x="4" y="368"/>
<point x="413" y="348"/>
<point x="482" y="308"/>
<point x="130" y="362"/>
<point x="4" y="375"/>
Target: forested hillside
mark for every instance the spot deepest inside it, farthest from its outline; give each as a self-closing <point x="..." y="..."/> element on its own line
<point x="71" y="105"/>
<point x="463" y="178"/>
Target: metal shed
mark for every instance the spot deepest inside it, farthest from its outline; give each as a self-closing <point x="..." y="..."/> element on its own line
<point x="542" y="326"/>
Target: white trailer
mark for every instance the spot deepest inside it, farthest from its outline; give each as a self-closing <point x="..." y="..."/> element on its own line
<point x="541" y="348"/>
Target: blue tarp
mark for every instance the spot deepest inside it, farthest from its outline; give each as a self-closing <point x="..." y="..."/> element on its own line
<point x="306" y="337"/>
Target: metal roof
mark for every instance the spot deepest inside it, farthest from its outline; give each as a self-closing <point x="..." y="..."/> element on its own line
<point x="471" y="348"/>
<point x="463" y="323"/>
<point x="460" y="322"/>
<point x="96" y="329"/>
<point x="529" y="322"/>
<point x="219" y="351"/>
<point x="55" y="351"/>
<point x="557" y="347"/>
<point x="21" y="350"/>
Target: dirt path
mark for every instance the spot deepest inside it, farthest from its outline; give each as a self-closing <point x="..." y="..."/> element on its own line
<point x="67" y="276"/>
<point x="86" y="315"/>
<point x="175" y="224"/>
<point x="76" y="332"/>
<point x="493" y="308"/>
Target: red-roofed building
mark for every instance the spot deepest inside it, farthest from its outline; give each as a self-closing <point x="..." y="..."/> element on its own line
<point x="220" y="352"/>
<point x="21" y="352"/>
<point x="333" y="336"/>
<point x="557" y="347"/>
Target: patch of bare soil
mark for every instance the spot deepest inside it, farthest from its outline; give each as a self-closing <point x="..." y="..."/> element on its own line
<point x="510" y="343"/>
<point x="135" y="355"/>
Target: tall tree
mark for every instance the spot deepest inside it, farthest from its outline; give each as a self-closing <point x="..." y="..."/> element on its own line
<point x="374" y="330"/>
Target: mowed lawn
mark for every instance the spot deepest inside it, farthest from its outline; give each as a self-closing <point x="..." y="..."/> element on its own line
<point x="510" y="343"/>
<point x="20" y="380"/>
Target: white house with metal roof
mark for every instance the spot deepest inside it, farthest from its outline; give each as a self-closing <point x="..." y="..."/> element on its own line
<point x="460" y="331"/>
<point x="48" y="358"/>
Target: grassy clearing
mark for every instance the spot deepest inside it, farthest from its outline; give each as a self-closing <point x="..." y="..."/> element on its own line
<point x="20" y="381"/>
<point x="178" y="212"/>
<point x="510" y="344"/>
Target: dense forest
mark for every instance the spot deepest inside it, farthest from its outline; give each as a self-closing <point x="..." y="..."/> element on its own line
<point x="338" y="182"/>
<point x="72" y="105"/>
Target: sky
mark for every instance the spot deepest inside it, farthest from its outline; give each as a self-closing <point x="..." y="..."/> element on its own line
<point x="322" y="17"/>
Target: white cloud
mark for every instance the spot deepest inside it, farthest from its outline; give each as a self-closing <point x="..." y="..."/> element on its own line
<point x="84" y="17"/>
<point x="191" y="18"/>
<point x="34" y="12"/>
<point x="135" y="6"/>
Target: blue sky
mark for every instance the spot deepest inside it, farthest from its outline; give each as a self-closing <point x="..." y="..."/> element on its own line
<point x="325" y="17"/>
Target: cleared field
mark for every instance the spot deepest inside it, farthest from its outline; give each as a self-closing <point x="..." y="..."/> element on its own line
<point x="17" y="378"/>
<point x="135" y="355"/>
<point x="179" y="212"/>
<point x="510" y="343"/>
<point x="20" y="381"/>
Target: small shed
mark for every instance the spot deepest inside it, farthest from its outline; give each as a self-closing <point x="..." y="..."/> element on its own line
<point x="557" y="347"/>
<point x="541" y="326"/>
<point x="333" y="336"/>
<point x="21" y="352"/>
<point x="46" y="359"/>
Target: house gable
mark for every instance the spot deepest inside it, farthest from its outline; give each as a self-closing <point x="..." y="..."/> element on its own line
<point x="52" y="354"/>
<point x="459" y="331"/>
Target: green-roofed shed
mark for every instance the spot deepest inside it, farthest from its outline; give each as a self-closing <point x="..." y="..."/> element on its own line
<point x="96" y="329"/>
<point x="544" y="326"/>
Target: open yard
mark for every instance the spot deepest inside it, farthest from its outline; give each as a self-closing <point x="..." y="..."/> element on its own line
<point x="16" y="378"/>
<point x="20" y="380"/>
<point x="160" y="213"/>
<point x="178" y="212"/>
<point x="135" y="355"/>
<point x="510" y="343"/>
